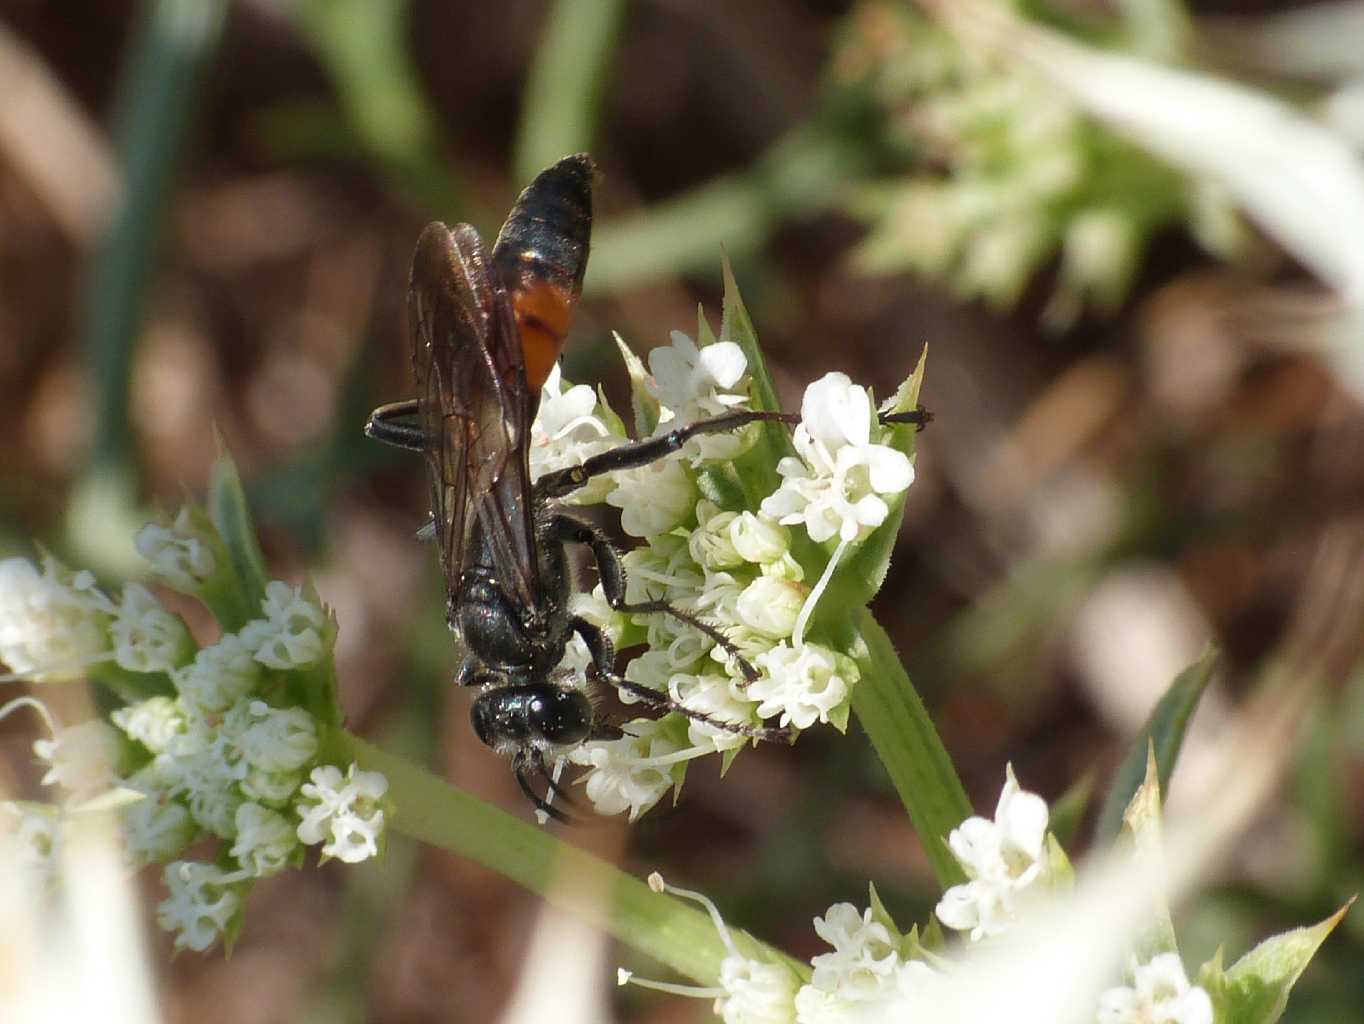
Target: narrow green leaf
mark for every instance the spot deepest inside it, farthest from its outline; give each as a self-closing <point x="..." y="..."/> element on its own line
<point x="908" y="745"/>
<point x="1255" y="989"/>
<point x="644" y="404"/>
<point x="561" y="105"/>
<point x="228" y="510"/>
<point x="675" y="933"/>
<point x="1164" y="730"/>
<point x="1068" y="810"/>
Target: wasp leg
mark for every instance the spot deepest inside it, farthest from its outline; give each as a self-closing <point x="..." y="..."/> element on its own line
<point x="541" y="804"/>
<point x="603" y="657"/>
<point x="553" y="787"/>
<point x="612" y="573"/>
<point x="641" y="453"/>
<point x="397" y="424"/>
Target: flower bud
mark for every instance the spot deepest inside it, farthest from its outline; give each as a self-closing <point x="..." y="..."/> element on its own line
<point x="147" y="637"/>
<point x="182" y="553"/>
<point x="770" y="606"/>
<point x="758" y="538"/>
<point x="278" y="739"/>
<point x="265" y="840"/>
<point x="154" y="722"/>
<point x="710" y="543"/>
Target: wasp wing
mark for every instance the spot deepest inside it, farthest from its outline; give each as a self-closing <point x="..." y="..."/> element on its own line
<point x="475" y="409"/>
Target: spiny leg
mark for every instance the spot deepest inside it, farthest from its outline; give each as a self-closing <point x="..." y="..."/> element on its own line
<point x="599" y="647"/>
<point x="634" y="454"/>
<point x="612" y="572"/>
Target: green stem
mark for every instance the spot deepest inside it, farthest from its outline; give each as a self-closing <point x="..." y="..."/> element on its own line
<point x="903" y="736"/>
<point x="429" y="809"/>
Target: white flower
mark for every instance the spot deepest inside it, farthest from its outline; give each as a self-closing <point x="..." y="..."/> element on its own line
<point x="204" y="766"/>
<point x="1001" y="858"/>
<point x="53" y="625"/>
<point x="694" y="383"/>
<point x="181" y="554"/>
<point x="202" y="903"/>
<point x="631" y="773"/>
<point x="654" y="498"/>
<point x="567" y="431"/>
<point x="148" y="638"/>
<point x="770" y="605"/>
<point x="290" y="635"/>
<point x="1160" y="994"/>
<point x="278" y="739"/>
<point x="275" y="789"/>
<point x="711" y="544"/>
<point x="803" y="684"/>
<point x="157" y="828"/>
<point x="756" y="992"/>
<point x="838" y="485"/>
<point x="759" y="538"/>
<point x="265" y="840"/>
<point x="82" y="759"/>
<point x="154" y="722"/>
<point x="220" y="675"/>
<point x="717" y="697"/>
<point x="864" y="959"/>
<point x="37" y="837"/>
<point x="343" y="811"/>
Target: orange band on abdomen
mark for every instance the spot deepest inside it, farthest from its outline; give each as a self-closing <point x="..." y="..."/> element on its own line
<point x="543" y="314"/>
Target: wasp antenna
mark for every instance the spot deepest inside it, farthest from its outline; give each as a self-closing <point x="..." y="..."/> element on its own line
<point x="552" y="785"/>
<point x="541" y="804"/>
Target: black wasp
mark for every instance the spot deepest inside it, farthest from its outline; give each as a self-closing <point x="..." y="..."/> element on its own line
<point x="486" y="331"/>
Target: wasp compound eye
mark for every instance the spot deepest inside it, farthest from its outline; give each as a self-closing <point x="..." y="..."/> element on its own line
<point x="561" y="716"/>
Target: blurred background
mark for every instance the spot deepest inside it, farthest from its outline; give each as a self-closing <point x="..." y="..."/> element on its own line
<point x="1142" y="369"/>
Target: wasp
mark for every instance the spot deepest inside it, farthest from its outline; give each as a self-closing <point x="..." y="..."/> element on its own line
<point x="486" y="330"/>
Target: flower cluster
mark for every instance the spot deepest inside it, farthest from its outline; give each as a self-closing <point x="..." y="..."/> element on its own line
<point x="221" y="741"/>
<point x="717" y="551"/>
<point x="874" y="972"/>
<point x="1007" y="172"/>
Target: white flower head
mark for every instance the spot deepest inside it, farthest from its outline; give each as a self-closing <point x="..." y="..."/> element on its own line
<point x="802" y="684"/>
<point x="220" y="675"/>
<point x="838" y="486"/>
<point x="180" y="554"/>
<point x="291" y="634"/>
<point x="654" y="498"/>
<point x="632" y="773"/>
<point x="154" y="722"/>
<point x="82" y="759"/>
<point x="1002" y="858"/>
<point x="278" y="739"/>
<point x="343" y="812"/>
<point x="53" y="624"/>
<point x="568" y="430"/>
<point x="1160" y="993"/>
<point x="265" y="840"/>
<point x="147" y="637"/>
<point x="203" y="901"/>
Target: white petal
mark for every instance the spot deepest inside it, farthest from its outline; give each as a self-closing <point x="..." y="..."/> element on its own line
<point x="724" y="362"/>
<point x="890" y="471"/>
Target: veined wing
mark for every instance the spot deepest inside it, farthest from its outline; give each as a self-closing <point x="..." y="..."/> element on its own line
<point x="475" y="409"/>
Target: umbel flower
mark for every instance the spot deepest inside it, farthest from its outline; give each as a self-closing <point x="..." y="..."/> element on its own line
<point x="743" y="531"/>
<point x="224" y="740"/>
